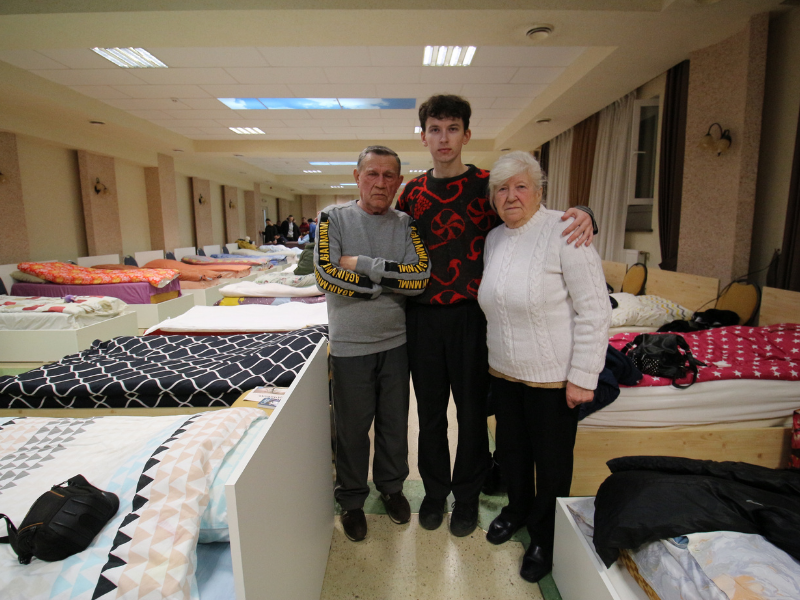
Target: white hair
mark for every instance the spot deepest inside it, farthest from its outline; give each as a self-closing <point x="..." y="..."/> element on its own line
<point x="512" y="164"/>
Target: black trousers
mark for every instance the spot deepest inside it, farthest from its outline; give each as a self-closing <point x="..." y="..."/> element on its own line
<point x="364" y="388"/>
<point x="447" y="351"/>
<point x="536" y="436"/>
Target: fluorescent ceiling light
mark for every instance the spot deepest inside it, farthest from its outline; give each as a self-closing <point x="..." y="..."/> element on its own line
<point x="417" y="170"/>
<point x="311" y="171"/>
<point x="333" y="164"/>
<point x="336" y="186"/>
<point x="346" y="184"/>
<point x="448" y="56"/>
<point x="417" y="129"/>
<point x="246" y="130"/>
<point x="131" y="58"/>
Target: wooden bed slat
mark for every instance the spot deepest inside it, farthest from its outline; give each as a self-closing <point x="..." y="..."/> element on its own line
<point x="615" y="273"/>
<point x="694" y="292"/>
<point x="779" y="306"/>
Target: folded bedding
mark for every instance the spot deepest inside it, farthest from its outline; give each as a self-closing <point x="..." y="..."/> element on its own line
<point x="236" y="260"/>
<point x="287" y="278"/>
<point x="186" y="272"/>
<point x="238" y="300"/>
<point x="58" y="272"/>
<point x="272" y="290"/>
<point x="132" y="293"/>
<point x="163" y="371"/>
<point x="101" y="306"/>
<point x="161" y="468"/>
<point x="241" y="319"/>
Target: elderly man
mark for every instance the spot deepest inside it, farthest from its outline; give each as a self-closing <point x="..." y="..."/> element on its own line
<point x="368" y="257"/>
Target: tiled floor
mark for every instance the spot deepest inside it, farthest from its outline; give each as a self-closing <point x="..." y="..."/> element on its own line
<point x="407" y="562"/>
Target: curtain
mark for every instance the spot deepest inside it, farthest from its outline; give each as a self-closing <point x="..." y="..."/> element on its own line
<point x="558" y="174"/>
<point x="608" y="193"/>
<point x="670" y="173"/>
<point x="789" y="264"/>
<point x="583" y="152"/>
<point x="544" y="157"/>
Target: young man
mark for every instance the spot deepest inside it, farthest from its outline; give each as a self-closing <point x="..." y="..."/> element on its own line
<point x="289" y="229"/>
<point x="368" y="258"/>
<point x="446" y="328"/>
<point x="270" y="232"/>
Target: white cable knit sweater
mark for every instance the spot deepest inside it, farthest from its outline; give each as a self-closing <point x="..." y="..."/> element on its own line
<point x="545" y="302"/>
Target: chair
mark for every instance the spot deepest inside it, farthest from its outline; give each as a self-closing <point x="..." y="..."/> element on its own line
<point x="201" y="252"/>
<point x="635" y="280"/>
<point x="742" y="298"/>
<point x="170" y="256"/>
<point x="129" y="260"/>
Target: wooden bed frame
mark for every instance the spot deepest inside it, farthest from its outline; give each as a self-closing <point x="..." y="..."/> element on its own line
<point x="766" y="446"/>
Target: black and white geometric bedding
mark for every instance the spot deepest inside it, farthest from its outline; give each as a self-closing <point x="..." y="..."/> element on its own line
<point x="164" y="371"/>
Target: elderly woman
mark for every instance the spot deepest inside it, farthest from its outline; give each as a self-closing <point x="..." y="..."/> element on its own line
<point x="547" y="313"/>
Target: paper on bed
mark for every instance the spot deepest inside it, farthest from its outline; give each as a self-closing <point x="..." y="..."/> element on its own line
<point x="247" y="318"/>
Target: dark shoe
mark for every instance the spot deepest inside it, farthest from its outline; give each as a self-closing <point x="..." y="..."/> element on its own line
<point x="494" y="484"/>
<point x="464" y="518"/>
<point x="431" y="513"/>
<point x="536" y="563"/>
<point x="397" y="507"/>
<point x="355" y="524"/>
<point x="501" y="530"/>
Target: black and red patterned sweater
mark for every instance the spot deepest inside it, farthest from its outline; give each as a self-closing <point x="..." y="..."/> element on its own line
<point x="453" y="216"/>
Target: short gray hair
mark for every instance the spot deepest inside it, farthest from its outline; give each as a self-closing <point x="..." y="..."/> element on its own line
<point x="512" y="164"/>
<point x="380" y="151"/>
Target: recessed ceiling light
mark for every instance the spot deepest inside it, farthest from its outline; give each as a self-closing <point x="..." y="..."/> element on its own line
<point x="311" y="171"/>
<point x="130" y="58"/>
<point x="417" y="171"/>
<point x="537" y="33"/>
<point x="448" y="56"/>
<point x="337" y="186"/>
<point x="97" y="122"/>
<point x="417" y="129"/>
<point x="246" y="130"/>
<point x="543" y="121"/>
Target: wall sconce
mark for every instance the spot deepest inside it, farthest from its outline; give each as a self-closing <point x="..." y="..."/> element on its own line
<point x="231" y="204"/>
<point x="3" y="178"/>
<point x="201" y="200"/>
<point x="720" y="145"/>
<point x="99" y="188"/>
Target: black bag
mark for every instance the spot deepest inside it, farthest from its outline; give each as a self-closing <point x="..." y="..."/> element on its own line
<point x="62" y="521"/>
<point x="660" y="355"/>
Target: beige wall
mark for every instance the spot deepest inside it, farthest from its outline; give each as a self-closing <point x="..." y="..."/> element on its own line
<point x="52" y="194"/>
<point x="779" y="129"/>
<point x="133" y="216"/>
<point x="183" y="185"/>
<point x="217" y="215"/>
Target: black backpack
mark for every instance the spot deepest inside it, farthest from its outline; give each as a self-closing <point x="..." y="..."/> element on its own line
<point x="660" y="355"/>
<point x="63" y="521"/>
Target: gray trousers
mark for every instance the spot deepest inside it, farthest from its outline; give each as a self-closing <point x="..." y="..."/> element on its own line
<point x="366" y="388"/>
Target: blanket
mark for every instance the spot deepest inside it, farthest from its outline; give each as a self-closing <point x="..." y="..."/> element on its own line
<point x="270" y="290"/>
<point x="239" y="260"/>
<point x="163" y="371"/>
<point x="246" y="318"/>
<point x="161" y="468"/>
<point x="737" y="353"/>
<point x="99" y="306"/>
<point x="58" y="272"/>
<point x="287" y="278"/>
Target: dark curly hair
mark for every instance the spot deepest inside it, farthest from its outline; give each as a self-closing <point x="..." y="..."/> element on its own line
<point x="445" y="106"/>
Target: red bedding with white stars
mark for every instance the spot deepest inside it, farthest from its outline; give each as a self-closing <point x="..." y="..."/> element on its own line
<point x="737" y="353"/>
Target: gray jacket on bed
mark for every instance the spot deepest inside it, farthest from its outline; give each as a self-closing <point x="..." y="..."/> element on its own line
<point x="366" y="307"/>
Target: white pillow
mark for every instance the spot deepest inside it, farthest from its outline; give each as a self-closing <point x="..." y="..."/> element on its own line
<point x="646" y="311"/>
<point x="627" y="310"/>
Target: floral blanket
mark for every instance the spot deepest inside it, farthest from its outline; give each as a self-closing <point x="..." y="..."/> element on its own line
<point x="161" y="468"/>
<point x="238" y="260"/>
<point x="58" y="272"/>
<point x="100" y="306"/>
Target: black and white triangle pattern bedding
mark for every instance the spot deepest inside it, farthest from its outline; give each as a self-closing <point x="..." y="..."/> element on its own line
<point x="164" y="371"/>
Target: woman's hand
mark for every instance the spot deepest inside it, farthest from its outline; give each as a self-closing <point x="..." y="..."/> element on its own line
<point x="577" y="395"/>
<point x="581" y="228"/>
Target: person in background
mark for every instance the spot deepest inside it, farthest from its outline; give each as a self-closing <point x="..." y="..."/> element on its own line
<point x="368" y="258"/>
<point x="547" y="314"/>
<point x="303" y="227"/>
<point x="446" y="327"/>
<point x="270" y="232"/>
<point x="289" y="229"/>
<point x="312" y="228"/>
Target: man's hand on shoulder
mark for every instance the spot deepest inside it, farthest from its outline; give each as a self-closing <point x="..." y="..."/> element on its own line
<point x="348" y="262"/>
<point x="580" y="228"/>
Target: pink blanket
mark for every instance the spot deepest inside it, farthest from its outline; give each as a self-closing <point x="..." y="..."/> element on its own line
<point x="58" y="272"/>
<point x="738" y="353"/>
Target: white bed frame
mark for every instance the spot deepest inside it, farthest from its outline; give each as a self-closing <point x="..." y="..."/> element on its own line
<point x="148" y="315"/>
<point x="280" y="499"/>
<point x="578" y="571"/>
<point x="207" y="296"/>
<point x="181" y="252"/>
<point x="231" y="247"/>
<point x="142" y="258"/>
<point x="104" y="259"/>
<point x="45" y="345"/>
<point x="212" y="249"/>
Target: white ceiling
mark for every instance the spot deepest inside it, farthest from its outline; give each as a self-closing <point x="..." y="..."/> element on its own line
<point x="52" y="84"/>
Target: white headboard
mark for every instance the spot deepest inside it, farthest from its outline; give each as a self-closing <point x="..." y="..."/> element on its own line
<point x="105" y="259"/>
<point x="232" y="247"/>
<point x="142" y="258"/>
<point x="213" y="249"/>
<point x="181" y="252"/>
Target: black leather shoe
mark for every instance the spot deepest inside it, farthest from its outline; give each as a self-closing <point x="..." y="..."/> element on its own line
<point x="464" y="518"/>
<point x="431" y="513"/>
<point x="536" y="563"/>
<point x="397" y="507"/>
<point x="354" y="524"/>
<point x="501" y="530"/>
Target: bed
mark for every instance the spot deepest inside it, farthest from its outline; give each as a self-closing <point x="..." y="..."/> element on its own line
<point x="223" y="320"/>
<point x="276" y="553"/>
<point x="759" y="441"/>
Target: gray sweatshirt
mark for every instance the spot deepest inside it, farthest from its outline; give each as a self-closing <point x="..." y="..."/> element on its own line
<point x="366" y="307"/>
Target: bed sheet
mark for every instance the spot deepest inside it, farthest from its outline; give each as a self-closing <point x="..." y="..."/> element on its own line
<point x="47" y="320"/>
<point x="268" y="290"/>
<point x="246" y="318"/>
<point x="159" y="467"/>
<point x="163" y="371"/>
<point x="131" y="293"/>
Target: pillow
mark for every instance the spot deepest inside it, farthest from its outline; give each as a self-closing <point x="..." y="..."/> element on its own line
<point x="214" y="522"/>
<point x="645" y="311"/>
<point x="627" y="310"/>
<point x="26" y="277"/>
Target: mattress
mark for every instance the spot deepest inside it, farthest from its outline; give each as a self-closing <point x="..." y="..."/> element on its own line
<point x="246" y="318"/>
<point x="163" y="371"/>
<point x="131" y="293"/>
<point x="237" y="300"/>
<point x="709" y="403"/>
<point x="269" y="290"/>
<point x="41" y="321"/>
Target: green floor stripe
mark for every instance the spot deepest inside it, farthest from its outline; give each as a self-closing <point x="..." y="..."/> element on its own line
<point x="549" y="589"/>
<point x="13" y="371"/>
